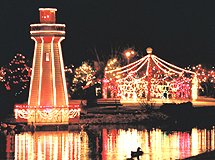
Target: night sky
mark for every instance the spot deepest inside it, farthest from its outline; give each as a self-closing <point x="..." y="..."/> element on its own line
<point x="180" y="31"/>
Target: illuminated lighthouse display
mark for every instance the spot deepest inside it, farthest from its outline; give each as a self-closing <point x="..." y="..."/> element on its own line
<point x="48" y="85"/>
<point x="48" y="99"/>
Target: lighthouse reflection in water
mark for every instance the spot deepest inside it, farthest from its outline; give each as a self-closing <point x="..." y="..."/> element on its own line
<point x="107" y="144"/>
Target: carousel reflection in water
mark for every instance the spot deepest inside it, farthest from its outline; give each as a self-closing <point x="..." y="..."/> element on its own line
<point x="106" y="144"/>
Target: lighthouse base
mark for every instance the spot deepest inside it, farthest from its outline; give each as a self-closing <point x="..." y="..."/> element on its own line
<point x="47" y="115"/>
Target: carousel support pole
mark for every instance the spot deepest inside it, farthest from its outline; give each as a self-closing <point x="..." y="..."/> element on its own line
<point x="149" y="51"/>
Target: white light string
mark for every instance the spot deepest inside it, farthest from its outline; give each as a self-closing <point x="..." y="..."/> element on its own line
<point x="167" y="67"/>
<point x="121" y="68"/>
<point x="174" y="66"/>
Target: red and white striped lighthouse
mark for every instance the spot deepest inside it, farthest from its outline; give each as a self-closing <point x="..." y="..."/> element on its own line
<point x="48" y="98"/>
<point x="48" y="85"/>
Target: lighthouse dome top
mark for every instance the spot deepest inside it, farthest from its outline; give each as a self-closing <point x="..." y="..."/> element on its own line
<point x="47" y="25"/>
<point x="47" y="15"/>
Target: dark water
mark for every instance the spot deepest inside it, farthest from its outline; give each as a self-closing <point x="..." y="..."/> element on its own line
<point x="106" y="143"/>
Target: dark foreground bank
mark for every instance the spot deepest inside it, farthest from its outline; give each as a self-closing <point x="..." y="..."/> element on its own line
<point x="210" y="155"/>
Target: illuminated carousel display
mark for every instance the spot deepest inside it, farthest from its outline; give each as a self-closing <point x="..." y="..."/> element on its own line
<point x="150" y="78"/>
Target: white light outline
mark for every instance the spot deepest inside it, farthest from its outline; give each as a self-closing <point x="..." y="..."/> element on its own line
<point x="165" y="66"/>
<point x="45" y="24"/>
<point x="142" y="59"/>
<point x="147" y="69"/>
<point x="194" y="88"/>
<point x="41" y="70"/>
<point x="167" y="69"/>
<point x="155" y="61"/>
<point x="175" y="66"/>
<point x="127" y="65"/>
<point x="47" y="9"/>
<point x="33" y="69"/>
<point x="53" y="70"/>
<point x="123" y="71"/>
<point x="143" y="63"/>
<point x="16" y="146"/>
<point x="62" y="70"/>
<point x="64" y="112"/>
<point x="47" y="31"/>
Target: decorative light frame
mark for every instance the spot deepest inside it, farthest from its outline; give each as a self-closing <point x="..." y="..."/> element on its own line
<point x="47" y="114"/>
<point x="181" y="83"/>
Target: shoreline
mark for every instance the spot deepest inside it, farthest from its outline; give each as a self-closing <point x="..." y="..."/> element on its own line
<point x="167" y="117"/>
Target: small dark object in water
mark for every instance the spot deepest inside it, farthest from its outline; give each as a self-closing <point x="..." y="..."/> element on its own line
<point x="138" y="153"/>
<point x="86" y="126"/>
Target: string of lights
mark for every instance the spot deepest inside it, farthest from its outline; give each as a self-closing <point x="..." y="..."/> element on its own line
<point x="49" y="114"/>
<point x="17" y="74"/>
<point x="84" y="77"/>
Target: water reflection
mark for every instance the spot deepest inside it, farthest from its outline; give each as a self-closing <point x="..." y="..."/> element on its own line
<point x="51" y="145"/>
<point x="106" y="144"/>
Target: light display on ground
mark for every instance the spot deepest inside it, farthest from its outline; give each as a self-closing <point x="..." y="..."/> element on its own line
<point x="151" y="77"/>
<point x="46" y="114"/>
